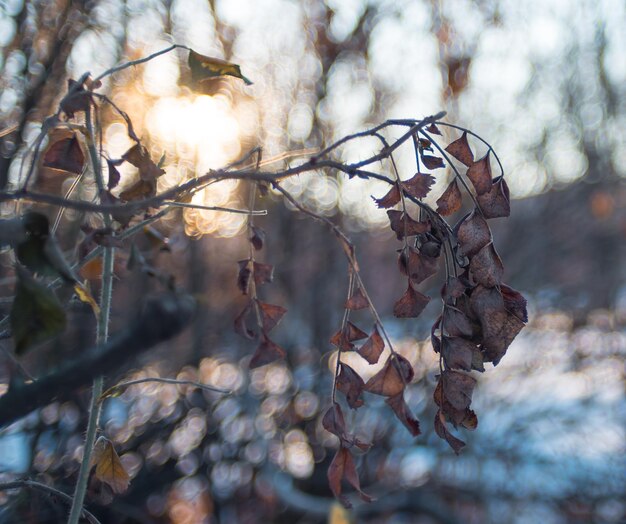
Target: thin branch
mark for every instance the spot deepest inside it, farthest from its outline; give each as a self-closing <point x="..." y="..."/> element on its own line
<point x="207" y="387"/>
<point x="261" y="212"/>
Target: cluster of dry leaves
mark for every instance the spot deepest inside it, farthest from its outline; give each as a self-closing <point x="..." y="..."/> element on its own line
<point x="480" y="314"/>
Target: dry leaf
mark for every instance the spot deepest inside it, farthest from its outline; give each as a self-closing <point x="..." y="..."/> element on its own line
<point x="480" y="175"/>
<point x="451" y="200"/>
<point x="373" y="347"/>
<point x="388" y="381"/>
<point x="461" y="150"/>
<point x="109" y="467"/>
<point x="390" y="199"/>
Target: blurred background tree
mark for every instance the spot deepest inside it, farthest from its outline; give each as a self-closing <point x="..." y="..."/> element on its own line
<point x="544" y="81"/>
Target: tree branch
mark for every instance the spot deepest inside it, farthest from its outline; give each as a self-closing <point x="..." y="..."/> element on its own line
<point x="160" y="319"/>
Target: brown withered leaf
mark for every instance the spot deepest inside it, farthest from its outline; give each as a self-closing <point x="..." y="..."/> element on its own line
<point x="514" y="302"/>
<point x="257" y="238"/>
<point x="263" y="273"/>
<point x="139" y="157"/>
<point x="243" y="276"/>
<point x="109" y="467"/>
<point x="441" y="429"/>
<point x="418" y="186"/>
<point x="266" y="353"/>
<point x="473" y="233"/>
<point x="139" y="190"/>
<point x="390" y="199"/>
<point x="271" y="315"/>
<point x="334" y="422"/>
<point x="499" y="326"/>
<point x="357" y="301"/>
<point x="451" y="200"/>
<point x="457" y="353"/>
<point x="453" y="288"/>
<point x="65" y="154"/>
<point x="341" y="342"/>
<point x="77" y="101"/>
<point x="205" y="68"/>
<point x="433" y="129"/>
<point x="496" y="202"/>
<point x="417" y="266"/>
<point x="373" y="347"/>
<point x="470" y="421"/>
<point x="404" y="414"/>
<point x="432" y="162"/>
<point x="122" y="216"/>
<point x="458" y="388"/>
<point x="114" y="175"/>
<point x="402" y="224"/>
<point x="388" y="381"/>
<point x="241" y="327"/>
<point x="461" y="150"/>
<point x="480" y="175"/>
<point x="456" y="323"/>
<point x="351" y="385"/>
<point x="486" y="267"/>
<point x="343" y="467"/>
<point x="411" y="304"/>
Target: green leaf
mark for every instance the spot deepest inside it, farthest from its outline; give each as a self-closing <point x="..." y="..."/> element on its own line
<point x="205" y="67"/>
<point x="36" y="314"/>
<point x="40" y="252"/>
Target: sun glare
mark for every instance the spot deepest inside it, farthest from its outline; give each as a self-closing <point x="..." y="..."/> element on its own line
<point x="199" y="133"/>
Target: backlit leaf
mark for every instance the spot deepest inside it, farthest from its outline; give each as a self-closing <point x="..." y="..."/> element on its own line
<point x="139" y="157"/>
<point x="205" y="67"/>
<point x="84" y="295"/>
<point x="373" y="347"/>
<point x="109" y="467"/>
<point x="392" y="378"/>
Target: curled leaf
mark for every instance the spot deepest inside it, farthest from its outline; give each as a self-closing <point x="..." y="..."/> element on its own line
<point x="390" y="199"/>
<point x="241" y="327"/>
<point x="432" y="162"/>
<point x="334" y="422"/>
<point x="495" y="203"/>
<point x="357" y="301"/>
<point x="263" y="273"/>
<point x="351" y="385"/>
<point x="461" y="150"/>
<point x="480" y="175"/>
<point x="266" y="353"/>
<point x="418" y="186"/>
<point x="473" y="233"/>
<point x="204" y="68"/>
<point x="402" y="411"/>
<point x="243" y="276"/>
<point x="271" y="315"/>
<point x="257" y="238"/>
<point x="486" y="267"/>
<point x="343" y="467"/>
<point x="373" y="347"/>
<point x="411" y="304"/>
<point x="451" y="200"/>
<point x="392" y="378"/>
<point x="417" y="266"/>
<point x="109" y="467"/>
<point x="403" y="225"/>
<point x="442" y="431"/>
<point x="65" y="154"/>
